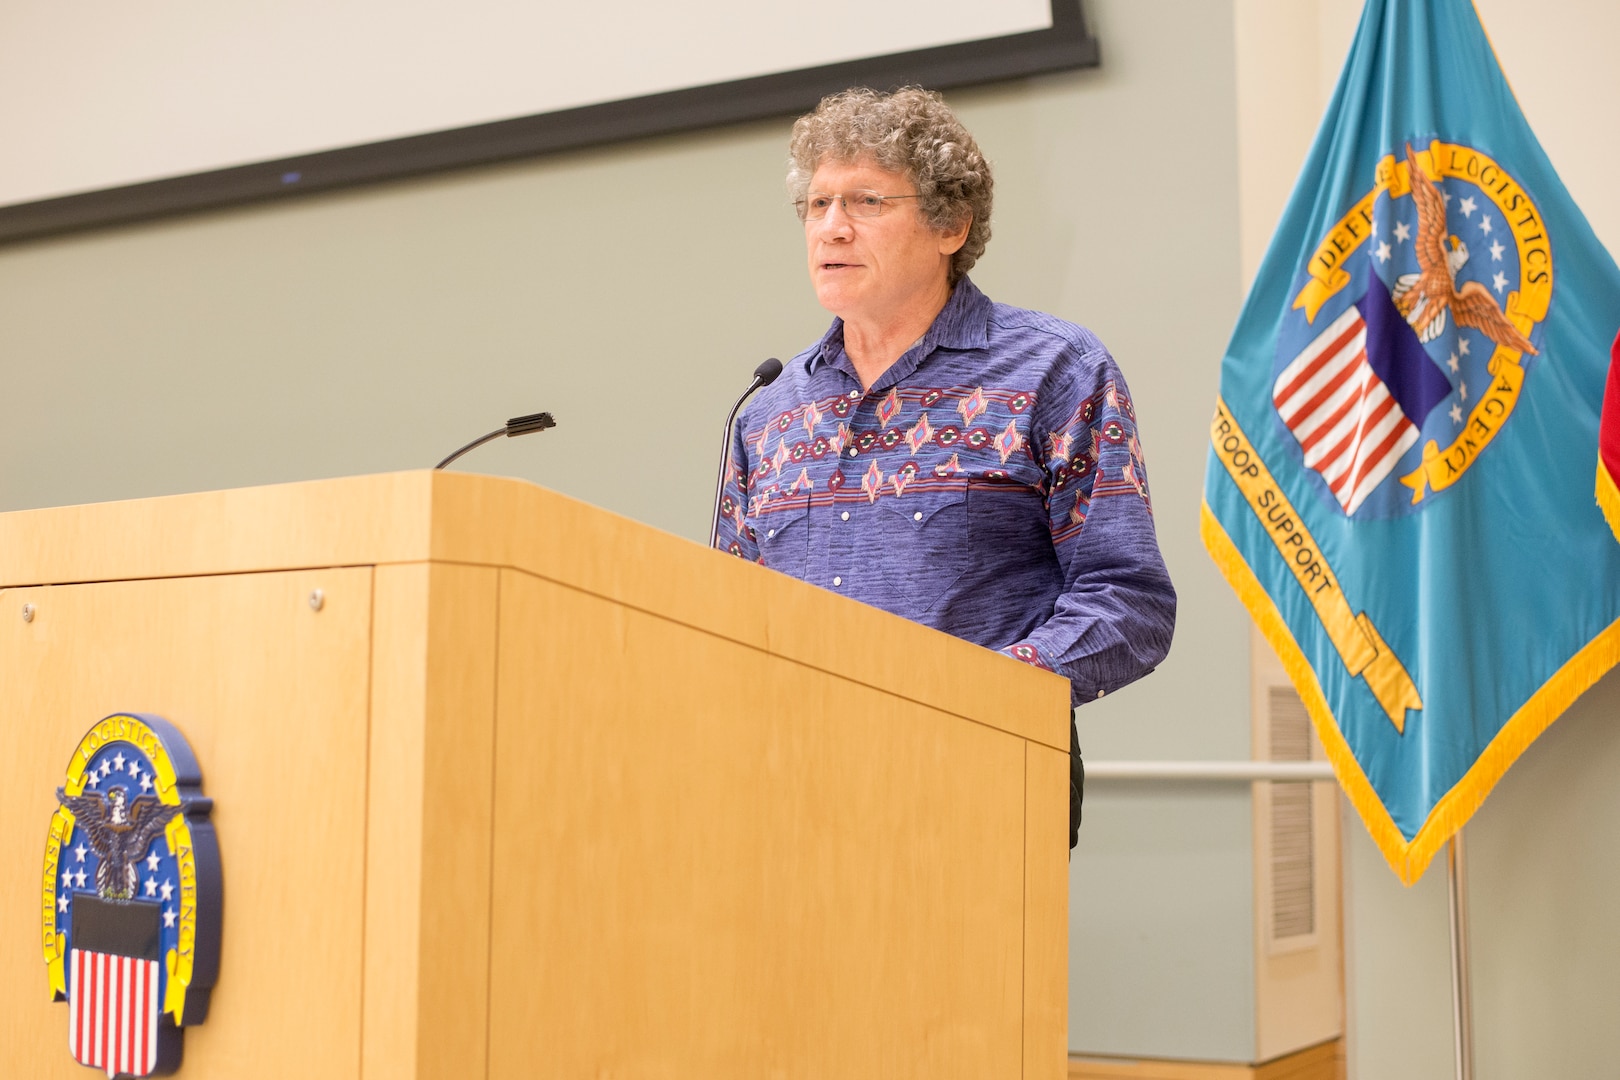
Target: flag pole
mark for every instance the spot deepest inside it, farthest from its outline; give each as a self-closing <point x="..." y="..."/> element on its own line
<point x="1461" y="1003"/>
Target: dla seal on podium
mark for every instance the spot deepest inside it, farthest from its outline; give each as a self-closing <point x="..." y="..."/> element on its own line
<point x="132" y="896"/>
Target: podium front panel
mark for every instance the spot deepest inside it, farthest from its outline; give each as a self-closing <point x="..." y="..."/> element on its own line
<point x="506" y="786"/>
<point x="711" y="861"/>
<point x="272" y="696"/>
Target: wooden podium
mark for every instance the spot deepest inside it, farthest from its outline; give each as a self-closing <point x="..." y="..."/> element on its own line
<point x="508" y="786"/>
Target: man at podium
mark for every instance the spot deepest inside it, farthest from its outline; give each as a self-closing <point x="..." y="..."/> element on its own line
<point x="966" y="464"/>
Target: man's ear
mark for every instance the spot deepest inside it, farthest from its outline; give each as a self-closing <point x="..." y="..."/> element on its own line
<point x="951" y="241"/>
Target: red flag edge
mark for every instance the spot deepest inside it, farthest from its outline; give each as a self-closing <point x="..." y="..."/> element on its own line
<point x="1608" y="471"/>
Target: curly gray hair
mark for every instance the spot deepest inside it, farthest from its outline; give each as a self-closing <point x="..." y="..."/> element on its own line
<point x="910" y="131"/>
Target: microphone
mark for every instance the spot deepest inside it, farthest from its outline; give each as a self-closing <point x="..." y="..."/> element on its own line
<point x="764" y="375"/>
<point x="518" y="425"/>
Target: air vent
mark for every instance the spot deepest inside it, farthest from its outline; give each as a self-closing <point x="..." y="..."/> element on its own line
<point x="1293" y="870"/>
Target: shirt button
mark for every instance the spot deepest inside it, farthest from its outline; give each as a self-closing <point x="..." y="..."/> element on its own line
<point x="852" y="451"/>
<point x="1099" y="693"/>
<point x="838" y="581"/>
<point x="844" y="516"/>
<point x="917" y="516"/>
<point x="853" y="394"/>
<point x="770" y="534"/>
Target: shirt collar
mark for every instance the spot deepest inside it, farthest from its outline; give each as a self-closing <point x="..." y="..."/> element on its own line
<point x="963" y="323"/>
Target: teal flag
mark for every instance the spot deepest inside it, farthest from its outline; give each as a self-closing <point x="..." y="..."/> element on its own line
<point x="1400" y="474"/>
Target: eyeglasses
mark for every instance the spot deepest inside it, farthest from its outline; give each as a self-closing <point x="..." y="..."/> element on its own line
<point x="861" y="204"/>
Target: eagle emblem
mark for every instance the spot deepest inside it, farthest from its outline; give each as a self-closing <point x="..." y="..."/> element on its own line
<point x="1424" y="298"/>
<point x="133" y="896"/>
<point x="119" y="831"/>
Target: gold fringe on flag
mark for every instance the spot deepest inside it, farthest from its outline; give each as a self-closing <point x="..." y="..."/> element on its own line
<point x="1409" y="858"/>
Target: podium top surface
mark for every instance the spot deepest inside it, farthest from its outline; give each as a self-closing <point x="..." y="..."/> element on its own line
<point x="424" y="516"/>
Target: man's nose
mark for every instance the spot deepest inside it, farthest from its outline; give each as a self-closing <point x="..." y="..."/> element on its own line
<point x="836" y="221"/>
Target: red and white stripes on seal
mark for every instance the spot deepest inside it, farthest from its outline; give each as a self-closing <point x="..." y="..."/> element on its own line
<point x="113" y="1012"/>
<point x="1347" y="422"/>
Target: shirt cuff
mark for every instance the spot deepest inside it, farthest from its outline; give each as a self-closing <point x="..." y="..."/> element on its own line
<point x="1028" y="653"/>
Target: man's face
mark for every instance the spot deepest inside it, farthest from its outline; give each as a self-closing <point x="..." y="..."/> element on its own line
<point x="870" y="268"/>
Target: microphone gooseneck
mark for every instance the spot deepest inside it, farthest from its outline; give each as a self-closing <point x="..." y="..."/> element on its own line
<point x="518" y="425"/>
<point x="764" y="375"/>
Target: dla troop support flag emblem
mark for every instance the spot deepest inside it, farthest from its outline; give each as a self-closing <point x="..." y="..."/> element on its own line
<point x="1363" y="389"/>
<point x="131" y="896"/>
<point x="1406" y="406"/>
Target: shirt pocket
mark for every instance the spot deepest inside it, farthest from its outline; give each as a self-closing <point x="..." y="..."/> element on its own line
<point x="924" y="537"/>
<point x="782" y="531"/>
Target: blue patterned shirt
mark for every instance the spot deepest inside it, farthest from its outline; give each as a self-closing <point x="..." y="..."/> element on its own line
<point x="990" y="484"/>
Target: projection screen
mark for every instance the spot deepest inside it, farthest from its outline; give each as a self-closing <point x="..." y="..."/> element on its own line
<point x="127" y="111"/>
